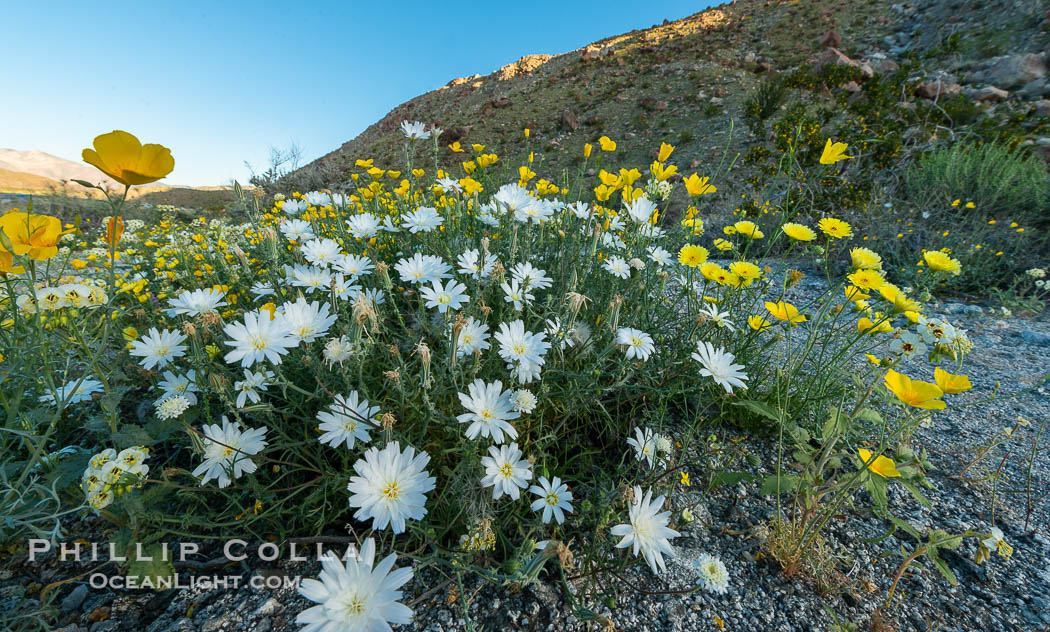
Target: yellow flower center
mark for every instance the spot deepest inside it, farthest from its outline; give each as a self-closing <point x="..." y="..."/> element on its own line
<point x="391" y="491"/>
<point x="506" y="470"/>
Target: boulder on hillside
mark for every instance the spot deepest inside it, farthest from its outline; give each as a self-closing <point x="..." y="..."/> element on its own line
<point x="525" y="65"/>
<point x="451" y="134"/>
<point x="831" y="39"/>
<point x="988" y="94"/>
<point x="568" y="121"/>
<point x="591" y="53"/>
<point x="1014" y="71"/>
<point x="838" y="58"/>
<point x="937" y="88"/>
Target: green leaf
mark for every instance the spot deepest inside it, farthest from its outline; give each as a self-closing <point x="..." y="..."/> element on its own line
<point x="869" y="415"/>
<point x="786" y="483"/>
<point x="835" y="425"/>
<point x="131" y="435"/>
<point x="942" y="566"/>
<point x="760" y="408"/>
<point x="730" y="478"/>
<point x="906" y="526"/>
<point x="915" y="493"/>
<point x="876" y="486"/>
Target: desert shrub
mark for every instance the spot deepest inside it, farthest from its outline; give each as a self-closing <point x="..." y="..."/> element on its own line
<point x="1002" y="183"/>
<point x="994" y="252"/>
<point x="764" y="102"/>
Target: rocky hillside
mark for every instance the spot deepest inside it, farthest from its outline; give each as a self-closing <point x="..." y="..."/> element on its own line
<point x="686" y="82"/>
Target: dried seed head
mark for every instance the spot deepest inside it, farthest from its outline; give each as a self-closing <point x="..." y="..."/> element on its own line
<point x="388" y="420"/>
<point x="576" y="301"/>
<point x="393" y="376"/>
<point x="189" y="329"/>
<point x="218" y="381"/>
<point x="793" y="277"/>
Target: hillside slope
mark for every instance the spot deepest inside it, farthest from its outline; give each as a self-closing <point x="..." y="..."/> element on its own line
<point x="684" y="82"/>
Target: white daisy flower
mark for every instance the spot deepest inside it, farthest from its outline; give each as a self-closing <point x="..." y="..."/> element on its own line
<point x="638" y="344"/>
<point x="719" y="318"/>
<point x="390" y="487"/>
<point x="228" y="451"/>
<point x="554" y="497"/>
<point x="73" y="392"/>
<point x="306" y="320"/>
<point x="489" y="409"/>
<point x="718" y="364"/>
<point x="530" y="277"/>
<point x="641" y="210"/>
<point x="645" y="446"/>
<point x="173" y="384"/>
<point x="451" y="296"/>
<point x="473" y="336"/>
<point x="347" y="420"/>
<point x="515" y="294"/>
<point x="321" y="252"/>
<point x="422" y="269"/>
<point x="422" y="220"/>
<point x="505" y="471"/>
<point x="196" y="302"/>
<point x="414" y="130"/>
<point x="248" y="388"/>
<point x="293" y="207"/>
<point x="159" y="348"/>
<point x="617" y="267"/>
<point x="647" y="533"/>
<point x="712" y="574"/>
<point x="353" y="266"/>
<point x="297" y="230"/>
<point x="471" y="264"/>
<point x="360" y="596"/>
<point x="659" y="256"/>
<point x="364" y="226"/>
<point x="258" y="338"/>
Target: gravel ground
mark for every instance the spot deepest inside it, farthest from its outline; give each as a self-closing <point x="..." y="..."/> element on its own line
<point x="1011" y="354"/>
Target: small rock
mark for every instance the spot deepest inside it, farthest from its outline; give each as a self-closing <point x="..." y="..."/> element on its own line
<point x="268" y="607"/>
<point x="831" y="39"/>
<point x="1014" y="71"/>
<point x="936" y="89"/>
<point x="852" y="87"/>
<point x="568" y="121"/>
<point x="1042" y="107"/>
<point x="989" y="93"/>
<point x="75" y="599"/>
<point x="1037" y="338"/>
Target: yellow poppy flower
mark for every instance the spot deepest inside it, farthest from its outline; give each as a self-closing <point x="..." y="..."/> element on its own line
<point x="607" y="144"/>
<point x="949" y="383"/>
<point x="122" y="157"/>
<point x="883" y="466"/>
<point x="28" y="234"/>
<point x="785" y="312"/>
<point x="914" y="393"/>
<point x="833" y="152"/>
<point x="665" y="152"/>
<point x="695" y="185"/>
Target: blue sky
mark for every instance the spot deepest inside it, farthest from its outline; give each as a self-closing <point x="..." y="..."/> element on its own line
<point x="223" y="82"/>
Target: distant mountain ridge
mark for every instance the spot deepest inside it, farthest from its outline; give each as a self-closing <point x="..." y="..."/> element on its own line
<point x="52" y="167"/>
